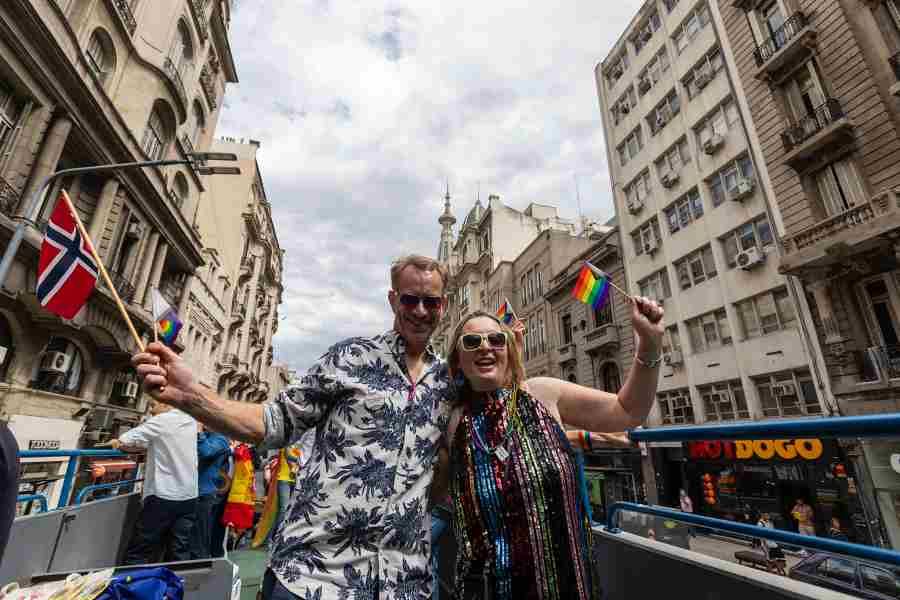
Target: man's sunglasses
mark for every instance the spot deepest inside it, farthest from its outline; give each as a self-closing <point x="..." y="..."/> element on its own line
<point x="472" y="341"/>
<point x="412" y="301"/>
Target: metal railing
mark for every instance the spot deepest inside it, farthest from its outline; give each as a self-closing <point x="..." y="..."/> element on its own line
<point x="175" y="77"/>
<point x="123" y="286"/>
<point x="824" y="115"/>
<point x="41" y="499"/>
<point x="879" y="363"/>
<point x="90" y="489"/>
<point x="9" y="198"/>
<point x="869" y="426"/>
<point x="123" y="7"/>
<point x="74" y="457"/>
<point x="780" y="38"/>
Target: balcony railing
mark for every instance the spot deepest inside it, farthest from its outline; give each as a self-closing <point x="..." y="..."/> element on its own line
<point x="123" y="287"/>
<point x="880" y="363"/>
<point x="823" y="116"/>
<point x="186" y="144"/>
<point x="9" y="198"/>
<point x="207" y="82"/>
<point x="895" y="65"/>
<point x="198" y="10"/>
<point x="780" y="38"/>
<point x="123" y="7"/>
<point x="175" y="77"/>
<point x="230" y="361"/>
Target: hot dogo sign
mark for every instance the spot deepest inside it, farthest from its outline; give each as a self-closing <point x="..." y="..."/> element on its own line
<point x="808" y="449"/>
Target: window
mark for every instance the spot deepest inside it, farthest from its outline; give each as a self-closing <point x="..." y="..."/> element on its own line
<point x="788" y="395"/>
<point x="618" y="68"/>
<point x="724" y="401"/>
<point x="804" y="95"/>
<point x="839" y="187"/>
<point x="182" y="54"/>
<point x="696" y="267"/>
<point x="100" y="54"/>
<point x="660" y="116"/>
<point x="671" y="341"/>
<point x="653" y="72"/>
<point x="647" y="238"/>
<point x="181" y="190"/>
<point x="9" y="114"/>
<point x="59" y="368"/>
<point x="645" y="32"/>
<point x="603" y="315"/>
<point x="770" y="19"/>
<point x="523" y="289"/>
<point x="623" y="105"/>
<point x="566" y="329"/>
<point x="684" y="211"/>
<point x="610" y="381"/>
<point x="485" y="242"/>
<point x="527" y="341"/>
<point x="631" y="146"/>
<point x="766" y="313"/>
<point x="540" y="280"/>
<point x="656" y="286"/>
<point x="724" y="183"/>
<point x="690" y="27"/>
<point x="675" y="407"/>
<point x="672" y="159"/>
<point x="670" y="5"/>
<point x="879" y="581"/>
<point x="709" y="331"/>
<point x="466" y="289"/>
<point x="838" y="569"/>
<point x="639" y="189"/>
<point x="542" y="333"/>
<point x="155" y="140"/>
<point x="702" y="73"/>
<point x="200" y="125"/>
<point x="755" y="234"/>
<point x="718" y="122"/>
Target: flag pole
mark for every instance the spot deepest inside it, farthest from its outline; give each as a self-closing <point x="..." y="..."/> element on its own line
<point x="90" y="244"/>
<point x="155" y="318"/>
<point x="601" y="273"/>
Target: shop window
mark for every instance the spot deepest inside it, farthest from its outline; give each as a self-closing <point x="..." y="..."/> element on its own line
<point x="756" y="234"/>
<point x="684" y="211"/>
<point x="724" y="401"/>
<point x="788" y="395"/>
<point x="766" y="313"/>
<point x="59" y="369"/>
<point x="696" y="267"/>
<point x="6" y="347"/>
<point x="675" y="407"/>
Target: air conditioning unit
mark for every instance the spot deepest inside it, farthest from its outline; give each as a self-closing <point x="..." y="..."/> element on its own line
<point x="130" y="390"/>
<point x="669" y="178"/>
<point x="713" y="143"/>
<point x="675" y="357"/>
<point x="749" y="258"/>
<point x="702" y="78"/>
<point x="644" y="86"/>
<point x="55" y="362"/>
<point x="651" y="246"/>
<point x="784" y="389"/>
<point x="743" y="189"/>
<point x="635" y="206"/>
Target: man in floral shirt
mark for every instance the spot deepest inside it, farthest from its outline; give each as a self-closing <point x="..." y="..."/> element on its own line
<point x="358" y="524"/>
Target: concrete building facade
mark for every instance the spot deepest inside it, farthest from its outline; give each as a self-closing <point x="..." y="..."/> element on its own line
<point x="696" y="228"/>
<point x="85" y="83"/>
<point x="821" y="83"/>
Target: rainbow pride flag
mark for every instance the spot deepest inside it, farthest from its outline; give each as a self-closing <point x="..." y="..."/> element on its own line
<point x="591" y="290"/>
<point x="167" y="322"/>
<point x="505" y="313"/>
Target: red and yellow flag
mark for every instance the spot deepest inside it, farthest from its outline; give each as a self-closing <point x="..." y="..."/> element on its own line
<point x="241" y="499"/>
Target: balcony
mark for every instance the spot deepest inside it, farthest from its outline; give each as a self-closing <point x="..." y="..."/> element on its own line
<point x="880" y="363"/>
<point x="229" y="362"/>
<point x="123" y="287"/>
<point x="9" y="198"/>
<point x="187" y="146"/>
<point x="198" y="12"/>
<point x="237" y="314"/>
<point x="207" y="82"/>
<point x="123" y="9"/>
<point x="827" y="126"/>
<point x="895" y="66"/>
<point x="601" y="337"/>
<point x="789" y="44"/>
<point x="175" y="77"/>
<point x="566" y="353"/>
<point x="831" y="240"/>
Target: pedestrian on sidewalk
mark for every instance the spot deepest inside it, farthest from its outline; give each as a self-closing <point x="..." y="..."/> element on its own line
<point x="212" y="456"/>
<point x="166" y="523"/>
<point x="805" y="517"/>
<point x="773" y="551"/>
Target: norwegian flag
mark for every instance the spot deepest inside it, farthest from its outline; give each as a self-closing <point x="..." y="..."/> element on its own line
<point x="67" y="273"/>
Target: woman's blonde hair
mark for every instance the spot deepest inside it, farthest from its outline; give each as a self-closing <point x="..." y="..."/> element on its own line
<point x="515" y="367"/>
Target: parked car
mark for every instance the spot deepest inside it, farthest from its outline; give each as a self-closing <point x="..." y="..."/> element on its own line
<point x="858" y="578"/>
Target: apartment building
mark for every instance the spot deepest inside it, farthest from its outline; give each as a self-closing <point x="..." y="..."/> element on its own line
<point x="821" y="82"/>
<point x="245" y="275"/>
<point x="697" y="233"/>
<point x="85" y="83"/>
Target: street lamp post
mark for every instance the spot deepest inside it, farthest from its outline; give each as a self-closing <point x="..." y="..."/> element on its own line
<point x="198" y="159"/>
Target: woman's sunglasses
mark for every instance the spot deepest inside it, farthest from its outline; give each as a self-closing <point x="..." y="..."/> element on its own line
<point x="411" y="301"/>
<point x="472" y="341"/>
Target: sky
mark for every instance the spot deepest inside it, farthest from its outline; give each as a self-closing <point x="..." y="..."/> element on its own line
<point x="366" y="110"/>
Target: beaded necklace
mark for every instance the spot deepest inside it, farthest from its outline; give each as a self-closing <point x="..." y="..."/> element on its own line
<point x="512" y="418"/>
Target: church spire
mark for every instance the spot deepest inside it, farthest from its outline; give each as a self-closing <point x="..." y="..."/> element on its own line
<point x="447" y="221"/>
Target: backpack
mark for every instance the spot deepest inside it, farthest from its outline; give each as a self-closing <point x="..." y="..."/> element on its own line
<point x="156" y="583"/>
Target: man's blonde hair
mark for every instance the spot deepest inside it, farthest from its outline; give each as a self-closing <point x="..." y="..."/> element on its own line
<point x="423" y="263"/>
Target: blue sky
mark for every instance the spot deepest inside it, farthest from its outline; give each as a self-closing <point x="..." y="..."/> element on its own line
<point x="365" y="109"/>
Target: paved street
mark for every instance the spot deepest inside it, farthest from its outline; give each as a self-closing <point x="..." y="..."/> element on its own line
<point x="725" y="550"/>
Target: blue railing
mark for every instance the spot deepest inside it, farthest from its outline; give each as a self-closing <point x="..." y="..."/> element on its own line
<point x="828" y="427"/>
<point x="39" y="498"/>
<point x="90" y="489"/>
<point x="74" y="457"/>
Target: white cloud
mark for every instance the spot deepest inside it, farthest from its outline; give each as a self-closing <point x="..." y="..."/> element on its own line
<point x="363" y="113"/>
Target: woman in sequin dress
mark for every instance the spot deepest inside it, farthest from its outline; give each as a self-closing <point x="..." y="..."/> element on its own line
<point x="520" y="522"/>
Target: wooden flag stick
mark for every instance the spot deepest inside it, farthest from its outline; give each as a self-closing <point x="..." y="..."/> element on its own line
<point x="604" y="274"/>
<point x="515" y="316"/>
<point x="155" y="319"/>
<point x="109" y="284"/>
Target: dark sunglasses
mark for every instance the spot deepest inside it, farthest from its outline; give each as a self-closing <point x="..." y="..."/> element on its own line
<point x="412" y="301"/>
<point x="472" y="341"/>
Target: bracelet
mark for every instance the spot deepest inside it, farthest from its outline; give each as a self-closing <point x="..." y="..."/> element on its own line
<point x="587" y="439"/>
<point x="650" y="364"/>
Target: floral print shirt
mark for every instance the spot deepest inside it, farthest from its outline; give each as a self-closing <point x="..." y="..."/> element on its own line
<point x="357" y="526"/>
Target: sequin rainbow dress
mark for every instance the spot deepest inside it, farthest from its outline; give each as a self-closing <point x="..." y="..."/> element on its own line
<point x="521" y="527"/>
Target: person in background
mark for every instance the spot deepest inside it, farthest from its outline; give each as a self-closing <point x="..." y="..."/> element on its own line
<point x="9" y="483"/>
<point x="217" y="537"/>
<point x="441" y="517"/>
<point x="212" y="455"/>
<point x="805" y="517"/>
<point x="686" y="504"/>
<point x="169" y="437"/>
<point x="772" y="549"/>
<point x="836" y="532"/>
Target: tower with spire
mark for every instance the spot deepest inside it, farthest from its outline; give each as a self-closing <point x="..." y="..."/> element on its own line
<point x="447" y="221"/>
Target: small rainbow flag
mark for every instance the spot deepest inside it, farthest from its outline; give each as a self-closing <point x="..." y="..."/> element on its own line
<point x="505" y="313"/>
<point x="589" y="289"/>
<point x="167" y="322"/>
